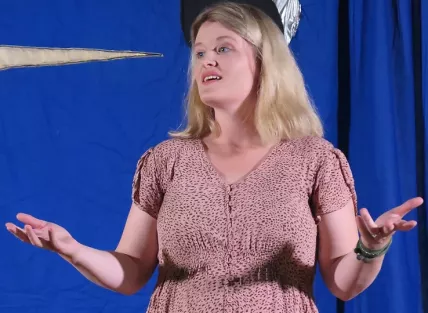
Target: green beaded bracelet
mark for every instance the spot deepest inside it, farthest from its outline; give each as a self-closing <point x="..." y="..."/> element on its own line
<point x="365" y="254"/>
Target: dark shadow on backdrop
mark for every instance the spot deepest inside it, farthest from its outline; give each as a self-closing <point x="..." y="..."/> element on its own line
<point x="344" y="92"/>
<point x="420" y="148"/>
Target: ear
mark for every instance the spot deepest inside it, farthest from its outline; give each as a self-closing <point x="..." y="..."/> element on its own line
<point x="190" y="9"/>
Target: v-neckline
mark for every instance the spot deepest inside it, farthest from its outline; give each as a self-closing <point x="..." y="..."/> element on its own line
<point x="220" y="176"/>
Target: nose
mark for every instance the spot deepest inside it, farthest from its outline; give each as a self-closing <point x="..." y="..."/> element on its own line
<point x="210" y="62"/>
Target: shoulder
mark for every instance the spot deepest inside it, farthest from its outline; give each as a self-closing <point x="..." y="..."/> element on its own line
<point x="173" y="147"/>
<point x="174" y="144"/>
<point x="312" y="147"/>
<point x="319" y="155"/>
<point x="169" y="151"/>
<point x="160" y="160"/>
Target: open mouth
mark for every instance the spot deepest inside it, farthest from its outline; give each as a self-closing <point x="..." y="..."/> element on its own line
<point x="211" y="78"/>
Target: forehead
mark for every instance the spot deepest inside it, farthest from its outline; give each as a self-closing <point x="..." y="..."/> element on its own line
<point x="211" y="32"/>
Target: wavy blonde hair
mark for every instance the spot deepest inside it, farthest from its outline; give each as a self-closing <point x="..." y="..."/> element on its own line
<point x="283" y="109"/>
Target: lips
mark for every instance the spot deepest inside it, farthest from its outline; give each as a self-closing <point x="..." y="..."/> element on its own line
<point x="211" y="77"/>
<point x="208" y="77"/>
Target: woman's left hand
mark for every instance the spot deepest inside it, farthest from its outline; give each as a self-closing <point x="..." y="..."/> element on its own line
<point x="376" y="234"/>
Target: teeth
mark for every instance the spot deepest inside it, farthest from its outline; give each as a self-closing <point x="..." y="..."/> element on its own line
<point x="211" y="78"/>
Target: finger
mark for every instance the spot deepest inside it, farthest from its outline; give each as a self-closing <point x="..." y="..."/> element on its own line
<point x="17" y="232"/>
<point x="362" y="227"/>
<point x="388" y="228"/>
<point x="405" y="225"/>
<point x="368" y="221"/>
<point x="41" y="233"/>
<point x="407" y="206"/>
<point x="10" y="226"/>
<point x="52" y="237"/>
<point x="31" y="220"/>
<point x="32" y="236"/>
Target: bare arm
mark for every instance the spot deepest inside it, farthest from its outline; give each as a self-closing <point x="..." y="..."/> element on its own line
<point x="344" y="275"/>
<point x="132" y="263"/>
<point x="130" y="266"/>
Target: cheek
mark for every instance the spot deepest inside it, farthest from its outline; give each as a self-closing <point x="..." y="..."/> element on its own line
<point x="244" y="75"/>
<point x="240" y="65"/>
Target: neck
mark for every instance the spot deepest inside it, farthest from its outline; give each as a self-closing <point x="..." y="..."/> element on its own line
<point x="235" y="130"/>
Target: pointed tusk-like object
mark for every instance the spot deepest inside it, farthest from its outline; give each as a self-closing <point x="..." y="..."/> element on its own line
<point x="290" y="11"/>
<point x="21" y="56"/>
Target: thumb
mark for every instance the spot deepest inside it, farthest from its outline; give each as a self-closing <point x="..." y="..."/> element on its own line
<point x="31" y="220"/>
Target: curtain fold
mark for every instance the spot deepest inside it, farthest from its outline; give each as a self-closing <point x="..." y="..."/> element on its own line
<point x="382" y="146"/>
<point x="421" y="67"/>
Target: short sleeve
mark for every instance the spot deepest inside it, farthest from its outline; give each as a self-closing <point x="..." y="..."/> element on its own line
<point x="147" y="193"/>
<point x="334" y="184"/>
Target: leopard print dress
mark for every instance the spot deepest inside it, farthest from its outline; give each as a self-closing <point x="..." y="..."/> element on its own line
<point x="243" y="247"/>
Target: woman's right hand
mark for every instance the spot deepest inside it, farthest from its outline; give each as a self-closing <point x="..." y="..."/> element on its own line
<point x="44" y="235"/>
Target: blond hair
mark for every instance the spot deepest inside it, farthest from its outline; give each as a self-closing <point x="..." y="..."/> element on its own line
<point x="283" y="109"/>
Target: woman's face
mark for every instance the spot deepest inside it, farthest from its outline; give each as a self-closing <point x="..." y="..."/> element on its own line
<point x="224" y="68"/>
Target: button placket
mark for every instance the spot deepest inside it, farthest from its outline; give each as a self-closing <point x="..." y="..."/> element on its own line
<point x="229" y="210"/>
<point x="229" y="199"/>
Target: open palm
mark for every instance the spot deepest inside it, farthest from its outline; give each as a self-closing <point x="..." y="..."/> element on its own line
<point x="44" y="235"/>
<point x="376" y="234"/>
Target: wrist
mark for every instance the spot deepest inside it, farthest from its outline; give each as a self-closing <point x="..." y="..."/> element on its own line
<point x="370" y="253"/>
<point x="74" y="255"/>
<point x="375" y="245"/>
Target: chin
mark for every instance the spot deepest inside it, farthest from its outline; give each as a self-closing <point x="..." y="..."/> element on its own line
<point x="214" y="101"/>
<point x="226" y="105"/>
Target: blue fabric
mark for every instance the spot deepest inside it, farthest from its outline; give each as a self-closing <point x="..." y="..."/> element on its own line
<point x="382" y="142"/>
<point x="70" y="136"/>
<point x="424" y="27"/>
<point x="424" y="69"/>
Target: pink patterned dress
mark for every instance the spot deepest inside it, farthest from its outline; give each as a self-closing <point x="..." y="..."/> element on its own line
<point x="245" y="247"/>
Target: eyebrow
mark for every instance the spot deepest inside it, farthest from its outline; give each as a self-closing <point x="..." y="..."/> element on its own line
<point x="218" y="39"/>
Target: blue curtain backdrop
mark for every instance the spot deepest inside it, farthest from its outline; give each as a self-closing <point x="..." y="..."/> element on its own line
<point x="384" y="150"/>
<point x="423" y="140"/>
<point x="70" y="136"/>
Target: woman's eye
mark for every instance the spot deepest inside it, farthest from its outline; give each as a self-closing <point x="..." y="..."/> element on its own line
<point x="223" y="49"/>
<point x="199" y="54"/>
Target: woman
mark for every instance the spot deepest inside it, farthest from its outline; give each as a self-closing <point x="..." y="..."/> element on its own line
<point x="237" y="208"/>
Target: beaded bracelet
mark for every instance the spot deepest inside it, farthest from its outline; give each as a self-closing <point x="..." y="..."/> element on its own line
<point x="365" y="254"/>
